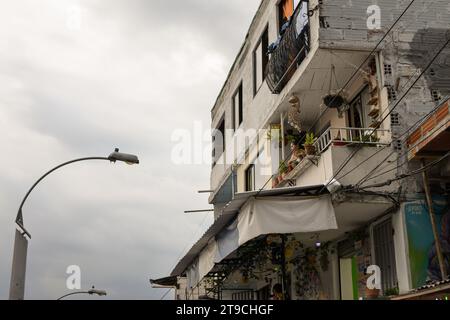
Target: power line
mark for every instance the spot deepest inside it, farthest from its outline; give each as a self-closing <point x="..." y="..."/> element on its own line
<point x="200" y="227"/>
<point x="403" y="163"/>
<point x="366" y="178"/>
<point x="404" y="176"/>
<point x="397" y="138"/>
<point x="391" y="41"/>
<point x="165" y="294"/>
<point x="391" y="110"/>
<point x="346" y="84"/>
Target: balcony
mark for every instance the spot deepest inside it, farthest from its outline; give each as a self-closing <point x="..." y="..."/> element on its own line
<point x="332" y="148"/>
<point x="289" y="51"/>
<point x="432" y="137"/>
<point x="350" y="137"/>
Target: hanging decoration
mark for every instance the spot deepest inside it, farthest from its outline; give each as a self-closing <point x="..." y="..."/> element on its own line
<point x="374" y="102"/>
<point x="294" y="118"/>
<point x="337" y="98"/>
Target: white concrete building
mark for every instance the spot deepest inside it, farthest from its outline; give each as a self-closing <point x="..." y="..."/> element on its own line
<point x="333" y="69"/>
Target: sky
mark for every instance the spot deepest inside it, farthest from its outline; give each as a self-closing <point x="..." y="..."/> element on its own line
<point x="80" y="78"/>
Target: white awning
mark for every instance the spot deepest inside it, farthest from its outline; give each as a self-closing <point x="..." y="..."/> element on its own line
<point x="261" y="216"/>
<point x="285" y="215"/>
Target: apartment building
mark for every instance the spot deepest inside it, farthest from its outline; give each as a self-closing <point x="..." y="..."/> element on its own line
<point x="327" y="104"/>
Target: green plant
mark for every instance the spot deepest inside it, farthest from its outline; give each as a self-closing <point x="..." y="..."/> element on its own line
<point x="391" y="292"/>
<point x="323" y="252"/>
<point x="292" y="137"/>
<point x="366" y="138"/>
<point x="309" y="139"/>
<point x="283" y="167"/>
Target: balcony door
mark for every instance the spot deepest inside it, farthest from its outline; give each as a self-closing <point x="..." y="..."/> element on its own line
<point x="358" y="113"/>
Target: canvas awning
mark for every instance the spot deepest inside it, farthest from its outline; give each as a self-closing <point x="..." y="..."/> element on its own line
<point x="247" y="217"/>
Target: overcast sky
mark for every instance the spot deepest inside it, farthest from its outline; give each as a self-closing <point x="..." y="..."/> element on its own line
<point x="78" y="78"/>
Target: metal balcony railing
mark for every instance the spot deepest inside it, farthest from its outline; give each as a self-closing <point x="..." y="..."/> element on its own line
<point x="348" y="136"/>
<point x="291" y="49"/>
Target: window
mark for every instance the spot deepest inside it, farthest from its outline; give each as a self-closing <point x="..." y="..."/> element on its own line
<point x="250" y="178"/>
<point x="238" y="114"/>
<point x="218" y="142"/>
<point x="383" y="242"/>
<point x="260" y="60"/>
<point x="358" y="113"/>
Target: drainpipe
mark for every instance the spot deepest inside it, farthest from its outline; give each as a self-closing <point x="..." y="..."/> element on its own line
<point x="433" y="223"/>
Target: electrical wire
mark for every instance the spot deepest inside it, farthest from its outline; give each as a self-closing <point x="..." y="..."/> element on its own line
<point x="390" y="111"/>
<point x="403" y="163"/>
<point x="346" y="84"/>
<point x="200" y="227"/>
<point x="413" y="127"/>
<point x="404" y="176"/>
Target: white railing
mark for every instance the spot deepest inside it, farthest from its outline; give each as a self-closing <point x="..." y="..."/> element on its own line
<point x="349" y="136"/>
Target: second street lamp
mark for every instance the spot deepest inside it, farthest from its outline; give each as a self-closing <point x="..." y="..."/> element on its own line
<point x="17" y="285"/>
<point x="89" y="292"/>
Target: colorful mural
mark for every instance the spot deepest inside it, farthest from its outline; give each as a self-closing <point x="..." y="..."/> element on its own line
<point x="422" y="252"/>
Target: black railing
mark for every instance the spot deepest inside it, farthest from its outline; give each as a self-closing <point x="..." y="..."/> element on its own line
<point x="289" y="51"/>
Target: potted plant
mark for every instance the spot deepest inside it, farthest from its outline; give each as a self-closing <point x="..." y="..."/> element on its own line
<point x="339" y="141"/>
<point x="274" y="182"/>
<point x="283" y="169"/>
<point x="372" y="293"/>
<point x="335" y="99"/>
<point x="310" y="148"/>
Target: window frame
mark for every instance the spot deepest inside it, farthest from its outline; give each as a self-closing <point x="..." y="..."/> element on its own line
<point x="214" y="154"/>
<point x="264" y="42"/>
<point x="250" y="169"/>
<point x="239" y="91"/>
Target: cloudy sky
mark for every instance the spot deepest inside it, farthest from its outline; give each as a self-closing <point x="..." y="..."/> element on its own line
<point x="78" y="78"/>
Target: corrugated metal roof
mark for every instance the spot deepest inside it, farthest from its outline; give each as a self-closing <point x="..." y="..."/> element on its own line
<point x="230" y="211"/>
<point x="431" y="285"/>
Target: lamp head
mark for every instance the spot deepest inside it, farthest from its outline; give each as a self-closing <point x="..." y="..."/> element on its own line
<point x="124" y="157"/>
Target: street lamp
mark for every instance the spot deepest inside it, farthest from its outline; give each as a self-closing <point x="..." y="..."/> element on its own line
<point x="89" y="292"/>
<point x="17" y="285"/>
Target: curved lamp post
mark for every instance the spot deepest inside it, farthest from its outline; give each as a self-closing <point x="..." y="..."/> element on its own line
<point x="90" y="292"/>
<point x="17" y="286"/>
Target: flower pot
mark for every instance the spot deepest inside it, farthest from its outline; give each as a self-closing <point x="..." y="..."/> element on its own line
<point x="372" y="293"/>
<point x="340" y="143"/>
<point x="333" y="100"/>
<point x="276" y="181"/>
<point x="310" y="150"/>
